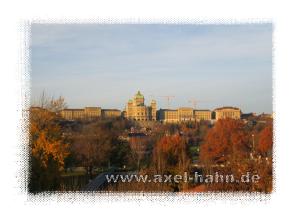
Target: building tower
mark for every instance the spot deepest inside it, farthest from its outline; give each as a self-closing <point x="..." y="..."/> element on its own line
<point x="139" y="99"/>
<point x="129" y="109"/>
<point x="137" y="110"/>
<point x="153" y="110"/>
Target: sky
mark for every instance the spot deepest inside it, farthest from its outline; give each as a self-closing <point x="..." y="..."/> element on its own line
<point x="106" y="64"/>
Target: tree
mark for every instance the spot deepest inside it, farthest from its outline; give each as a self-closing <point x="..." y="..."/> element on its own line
<point x="139" y="147"/>
<point x="57" y="105"/>
<point x="170" y="156"/>
<point x="226" y="141"/>
<point x="121" y="154"/>
<point x="50" y="103"/>
<point x="92" y="146"/>
<point x="228" y="150"/>
<point x="265" y="143"/>
<point x="48" y="149"/>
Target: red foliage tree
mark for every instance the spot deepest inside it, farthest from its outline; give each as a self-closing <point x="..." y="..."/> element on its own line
<point x="171" y="151"/>
<point x="265" y="143"/>
<point x="225" y="141"/>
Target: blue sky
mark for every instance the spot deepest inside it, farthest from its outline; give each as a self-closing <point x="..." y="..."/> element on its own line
<point x="105" y="65"/>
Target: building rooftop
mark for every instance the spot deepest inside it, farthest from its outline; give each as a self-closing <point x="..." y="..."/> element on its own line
<point x="73" y="109"/>
<point x="201" y="110"/>
<point x="186" y="108"/>
<point x="227" y="107"/>
<point x="163" y="109"/>
<point x="111" y="110"/>
<point x="90" y="107"/>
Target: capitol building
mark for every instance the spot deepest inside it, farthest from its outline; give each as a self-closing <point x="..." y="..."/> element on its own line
<point x="137" y="110"/>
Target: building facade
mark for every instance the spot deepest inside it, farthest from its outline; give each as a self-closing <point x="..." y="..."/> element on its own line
<point x="72" y="114"/>
<point x="202" y="115"/>
<point x="111" y="113"/>
<point x="92" y="112"/>
<point x="227" y="112"/>
<point x="184" y="114"/>
<point x="137" y="110"/>
<point x="89" y="113"/>
<point x="168" y="115"/>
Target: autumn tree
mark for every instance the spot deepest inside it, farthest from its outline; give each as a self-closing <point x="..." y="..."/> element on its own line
<point x="92" y="146"/>
<point x="226" y="149"/>
<point x="265" y="143"/>
<point x="95" y="144"/>
<point x="170" y="156"/>
<point x="48" y="150"/>
<point x="139" y="147"/>
<point x="229" y="149"/>
<point x="226" y="142"/>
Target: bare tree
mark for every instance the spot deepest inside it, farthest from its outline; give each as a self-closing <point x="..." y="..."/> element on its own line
<point x="57" y="105"/>
<point x="92" y="147"/>
<point x="50" y="103"/>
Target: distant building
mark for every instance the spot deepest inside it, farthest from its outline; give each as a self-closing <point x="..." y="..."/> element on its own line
<point x="168" y="115"/>
<point x="266" y="116"/>
<point x="92" y="112"/>
<point x="89" y="113"/>
<point x="227" y="112"/>
<point x="137" y="110"/>
<point x="202" y="115"/>
<point x="183" y="114"/>
<point x="111" y="113"/>
<point x="86" y="113"/>
<point x="248" y="115"/>
<point x="72" y="114"/>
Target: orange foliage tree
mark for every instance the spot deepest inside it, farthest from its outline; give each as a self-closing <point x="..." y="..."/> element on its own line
<point x="265" y="143"/>
<point x="225" y="142"/>
<point x="229" y="149"/>
<point x="170" y="156"/>
<point x="48" y="150"/>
